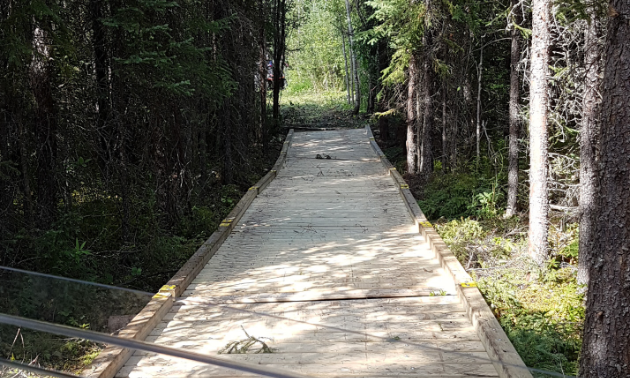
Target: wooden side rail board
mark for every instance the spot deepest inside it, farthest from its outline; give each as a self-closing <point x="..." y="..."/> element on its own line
<point x="486" y="325"/>
<point x="112" y="358"/>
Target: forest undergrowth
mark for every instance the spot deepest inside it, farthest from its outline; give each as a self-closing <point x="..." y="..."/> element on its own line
<point x="540" y="309"/>
<point x="82" y="245"/>
<point x="304" y="109"/>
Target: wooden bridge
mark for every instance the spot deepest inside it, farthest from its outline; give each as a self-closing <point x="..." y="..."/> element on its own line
<point x="329" y="262"/>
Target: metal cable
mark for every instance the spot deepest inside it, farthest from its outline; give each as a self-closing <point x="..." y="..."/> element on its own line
<point x="145" y="347"/>
<point x="36" y="369"/>
<point x="142" y="345"/>
<point x="139" y="292"/>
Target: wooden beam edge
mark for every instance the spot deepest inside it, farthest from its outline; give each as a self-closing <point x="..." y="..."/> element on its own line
<point x="113" y="358"/>
<point x="488" y="329"/>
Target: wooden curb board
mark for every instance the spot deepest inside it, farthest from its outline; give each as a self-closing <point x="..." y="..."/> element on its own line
<point x="486" y="325"/>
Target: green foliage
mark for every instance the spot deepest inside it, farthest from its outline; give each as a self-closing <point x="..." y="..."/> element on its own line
<point x="156" y="57"/>
<point x="541" y="311"/>
<point x="543" y="320"/>
<point x="402" y="24"/>
<point x="318" y="109"/>
<point x="456" y="195"/>
<point x="315" y="55"/>
<point x="461" y="230"/>
<point x="563" y="243"/>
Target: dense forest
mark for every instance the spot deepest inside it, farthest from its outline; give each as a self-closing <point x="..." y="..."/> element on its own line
<point x="128" y="129"/>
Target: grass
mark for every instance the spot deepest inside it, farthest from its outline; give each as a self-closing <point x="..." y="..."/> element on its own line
<point x="540" y="309"/>
<point x="318" y="109"/>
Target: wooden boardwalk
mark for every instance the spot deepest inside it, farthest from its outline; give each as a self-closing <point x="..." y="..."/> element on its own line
<point x="328" y="243"/>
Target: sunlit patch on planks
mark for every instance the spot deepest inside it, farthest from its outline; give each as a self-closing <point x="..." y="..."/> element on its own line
<point x="328" y="242"/>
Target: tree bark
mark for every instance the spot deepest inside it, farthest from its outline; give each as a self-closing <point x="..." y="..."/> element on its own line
<point x="102" y="86"/>
<point x="454" y="132"/>
<point x="515" y="55"/>
<point x="278" y="62"/>
<point x="46" y="127"/>
<point x="263" y="78"/>
<point x="538" y="196"/>
<point x="425" y="165"/>
<point x="29" y="212"/>
<point x="606" y="345"/>
<point x="478" y="129"/>
<point x="345" y="60"/>
<point x="228" y="164"/>
<point x="412" y="145"/>
<point x="588" y="145"/>
<point x="371" y="96"/>
<point x="444" y="129"/>
<point x="355" y="68"/>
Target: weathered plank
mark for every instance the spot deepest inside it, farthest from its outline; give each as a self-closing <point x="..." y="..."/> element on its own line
<point x="327" y="266"/>
<point x="113" y="358"/>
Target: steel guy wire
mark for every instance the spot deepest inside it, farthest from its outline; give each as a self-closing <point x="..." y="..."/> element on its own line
<point x="73" y="280"/>
<point x="145" y="347"/>
<point x="37" y="369"/>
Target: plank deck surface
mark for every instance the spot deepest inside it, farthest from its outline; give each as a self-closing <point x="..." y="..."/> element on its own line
<point x="327" y="268"/>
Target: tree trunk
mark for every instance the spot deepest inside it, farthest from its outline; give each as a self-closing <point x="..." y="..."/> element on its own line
<point x="29" y="212"/>
<point x="6" y="195"/>
<point x="606" y="345"/>
<point x="478" y="130"/>
<point x="228" y="164"/>
<point x="412" y="144"/>
<point x="383" y="127"/>
<point x="454" y="132"/>
<point x="444" y="129"/>
<point x="383" y="104"/>
<point x="46" y="128"/>
<point x="514" y="125"/>
<point x="538" y="196"/>
<point x="371" y="97"/>
<point x="588" y="145"/>
<point x="102" y="87"/>
<point x="425" y="165"/>
<point x="263" y="79"/>
<point x="355" y="68"/>
<point x="345" y="60"/>
<point x="124" y="182"/>
<point x="279" y="49"/>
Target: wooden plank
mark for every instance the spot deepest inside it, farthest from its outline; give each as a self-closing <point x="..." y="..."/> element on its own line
<point x="113" y="358"/>
<point x="331" y="268"/>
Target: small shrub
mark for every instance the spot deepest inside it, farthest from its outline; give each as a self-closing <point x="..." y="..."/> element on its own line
<point x="456" y="195"/>
<point x="541" y="310"/>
